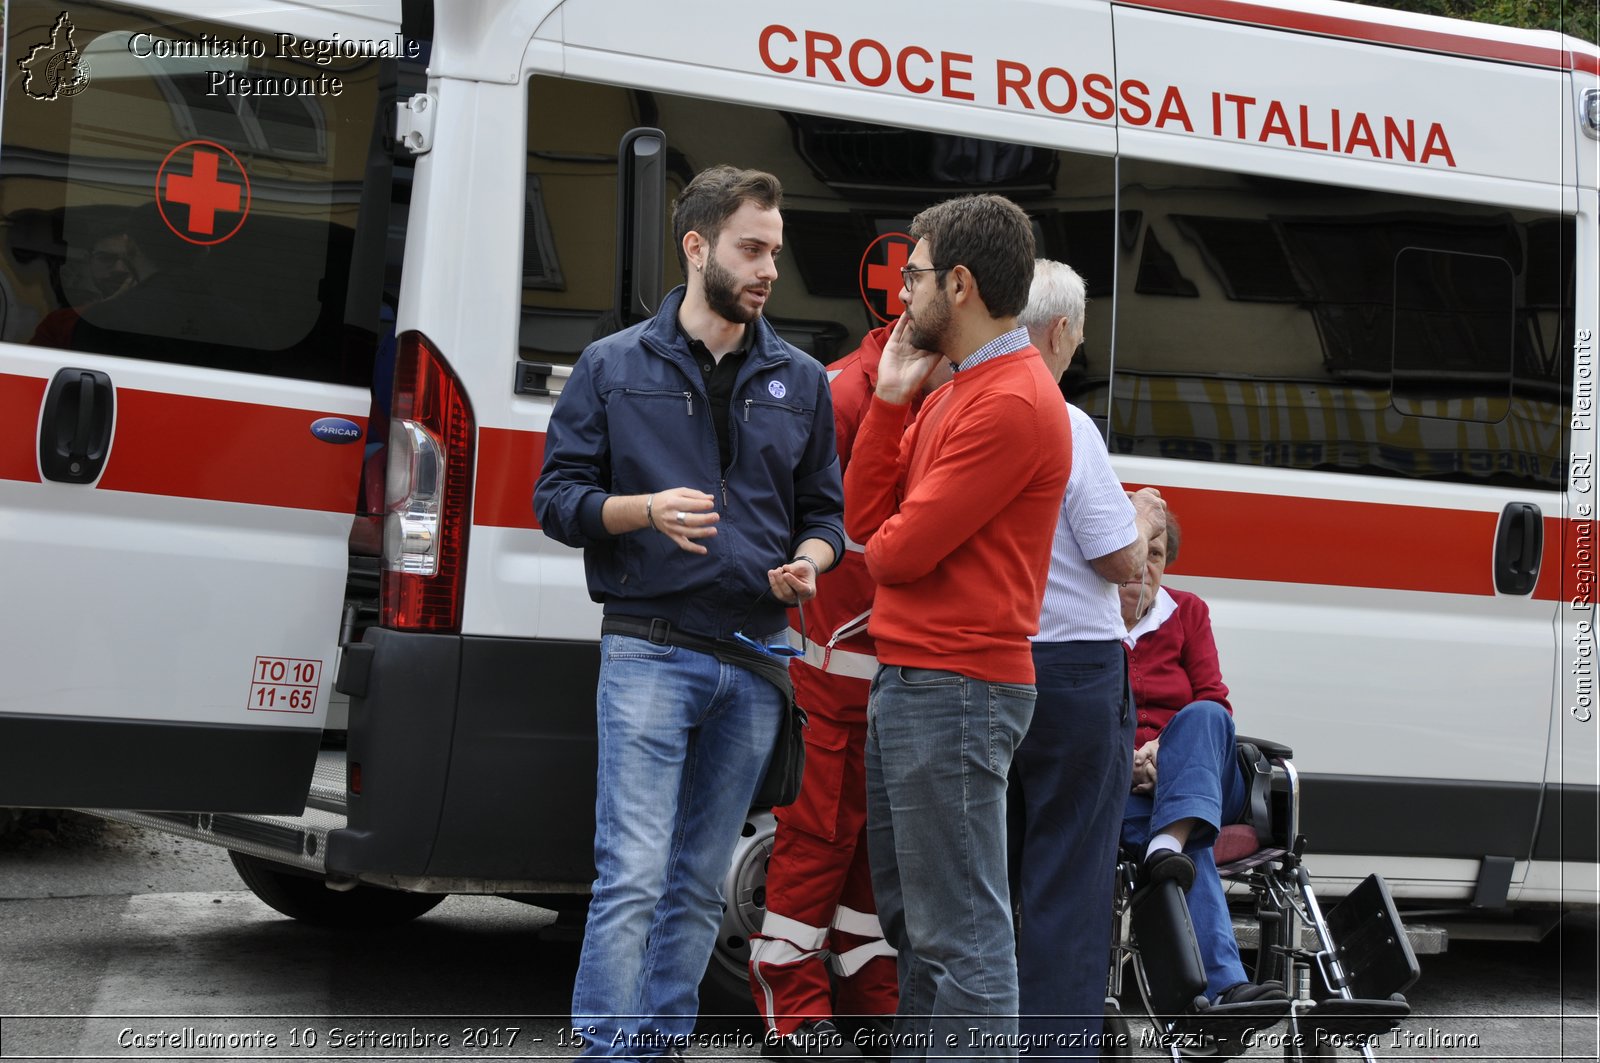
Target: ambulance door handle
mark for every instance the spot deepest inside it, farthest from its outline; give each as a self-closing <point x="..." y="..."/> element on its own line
<point x="75" y="431"/>
<point x="1519" y="544"/>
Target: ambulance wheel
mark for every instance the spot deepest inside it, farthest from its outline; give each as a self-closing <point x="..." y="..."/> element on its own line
<point x="726" y="986"/>
<point x="303" y="896"/>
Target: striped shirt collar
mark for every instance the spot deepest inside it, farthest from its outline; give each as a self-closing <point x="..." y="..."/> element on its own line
<point x="1005" y="343"/>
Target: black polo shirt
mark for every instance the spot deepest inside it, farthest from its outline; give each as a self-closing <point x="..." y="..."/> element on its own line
<point x="719" y="377"/>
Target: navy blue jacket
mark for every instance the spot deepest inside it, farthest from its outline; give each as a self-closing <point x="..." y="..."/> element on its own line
<point x="634" y="419"/>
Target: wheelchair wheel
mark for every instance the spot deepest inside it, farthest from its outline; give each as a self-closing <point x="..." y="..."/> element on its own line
<point x="1117" y="1042"/>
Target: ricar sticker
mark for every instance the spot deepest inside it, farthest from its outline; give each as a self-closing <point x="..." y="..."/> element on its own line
<point x="336" y="430"/>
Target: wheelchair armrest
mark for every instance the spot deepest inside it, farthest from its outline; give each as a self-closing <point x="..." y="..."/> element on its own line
<point x="1273" y="750"/>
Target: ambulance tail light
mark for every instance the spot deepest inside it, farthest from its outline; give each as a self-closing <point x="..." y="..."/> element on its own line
<point x="427" y="493"/>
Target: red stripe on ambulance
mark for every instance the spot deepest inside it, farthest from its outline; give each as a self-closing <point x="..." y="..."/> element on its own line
<point x="189" y="447"/>
<point x="20" y="399"/>
<point x="1338" y="543"/>
<point x="508" y="464"/>
<point x="1231" y="534"/>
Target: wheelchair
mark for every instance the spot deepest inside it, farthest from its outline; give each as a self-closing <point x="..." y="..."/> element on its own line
<point x="1346" y="986"/>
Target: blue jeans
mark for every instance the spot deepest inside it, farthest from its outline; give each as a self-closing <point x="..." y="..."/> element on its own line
<point x="1069" y="784"/>
<point x="684" y="740"/>
<point x="939" y="746"/>
<point x="1197" y="775"/>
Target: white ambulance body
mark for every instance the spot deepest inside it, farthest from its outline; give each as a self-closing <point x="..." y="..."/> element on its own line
<point x="1343" y="275"/>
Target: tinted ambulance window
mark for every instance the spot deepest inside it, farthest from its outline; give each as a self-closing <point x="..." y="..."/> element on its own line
<point x="1454" y="317"/>
<point x="1329" y="328"/>
<point x="848" y="187"/>
<point x="182" y="191"/>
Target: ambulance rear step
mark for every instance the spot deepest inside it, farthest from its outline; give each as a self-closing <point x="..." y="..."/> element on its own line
<point x="300" y="841"/>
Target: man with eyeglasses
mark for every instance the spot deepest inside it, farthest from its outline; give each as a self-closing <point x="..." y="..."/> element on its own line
<point x="823" y="977"/>
<point x="957" y="514"/>
<point x="692" y="457"/>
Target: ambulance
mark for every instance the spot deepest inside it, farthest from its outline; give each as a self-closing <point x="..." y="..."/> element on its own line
<point x="288" y="291"/>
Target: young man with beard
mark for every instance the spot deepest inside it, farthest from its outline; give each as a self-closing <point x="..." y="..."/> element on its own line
<point x="692" y="457"/>
<point x="957" y="514"/>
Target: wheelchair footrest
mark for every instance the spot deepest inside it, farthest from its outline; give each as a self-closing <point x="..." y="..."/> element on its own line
<point x="1340" y="1018"/>
<point x="1223" y="1031"/>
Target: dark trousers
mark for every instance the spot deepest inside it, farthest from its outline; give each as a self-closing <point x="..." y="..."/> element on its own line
<point x="1069" y="782"/>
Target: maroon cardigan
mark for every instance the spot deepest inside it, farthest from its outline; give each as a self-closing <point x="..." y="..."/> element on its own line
<point x="1174" y="665"/>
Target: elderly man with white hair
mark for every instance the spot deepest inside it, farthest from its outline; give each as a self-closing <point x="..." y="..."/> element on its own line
<point x="1070" y="776"/>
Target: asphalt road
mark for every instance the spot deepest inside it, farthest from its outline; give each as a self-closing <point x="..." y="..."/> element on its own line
<point x="130" y="945"/>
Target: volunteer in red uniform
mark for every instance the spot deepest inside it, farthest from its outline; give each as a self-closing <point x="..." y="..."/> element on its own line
<point x="820" y="911"/>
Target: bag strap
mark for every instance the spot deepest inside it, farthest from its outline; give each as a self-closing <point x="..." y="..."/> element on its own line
<point x="774" y="670"/>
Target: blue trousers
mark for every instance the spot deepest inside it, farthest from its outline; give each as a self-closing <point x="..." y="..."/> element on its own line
<point x="1069" y="783"/>
<point x="1198" y="776"/>
<point x="684" y="740"/>
<point x="939" y="746"/>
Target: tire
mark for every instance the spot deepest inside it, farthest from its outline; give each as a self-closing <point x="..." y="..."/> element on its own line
<point x="1117" y="1039"/>
<point x="725" y="989"/>
<point x="304" y="897"/>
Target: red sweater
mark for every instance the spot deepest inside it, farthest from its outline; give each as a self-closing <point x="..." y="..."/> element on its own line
<point x="958" y="514"/>
<point x="1174" y="665"/>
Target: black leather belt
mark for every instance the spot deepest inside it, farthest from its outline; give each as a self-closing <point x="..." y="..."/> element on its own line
<point x="661" y="632"/>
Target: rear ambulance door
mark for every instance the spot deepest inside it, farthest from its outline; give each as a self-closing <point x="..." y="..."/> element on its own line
<point x="187" y="332"/>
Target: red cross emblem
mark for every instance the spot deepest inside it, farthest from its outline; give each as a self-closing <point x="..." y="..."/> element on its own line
<point x="199" y="180"/>
<point x="880" y="275"/>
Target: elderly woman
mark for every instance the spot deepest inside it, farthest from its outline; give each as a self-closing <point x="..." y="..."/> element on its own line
<point x="1186" y="778"/>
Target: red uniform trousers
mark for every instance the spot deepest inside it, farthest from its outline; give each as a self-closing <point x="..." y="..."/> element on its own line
<point x="820" y="911"/>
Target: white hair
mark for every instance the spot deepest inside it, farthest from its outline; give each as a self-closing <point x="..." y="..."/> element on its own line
<point x="1057" y="291"/>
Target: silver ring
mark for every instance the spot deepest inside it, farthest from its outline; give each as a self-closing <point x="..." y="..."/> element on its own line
<point x="683" y="518"/>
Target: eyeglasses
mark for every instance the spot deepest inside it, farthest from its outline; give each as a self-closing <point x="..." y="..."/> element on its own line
<point x="775" y="649"/>
<point x="908" y="273"/>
